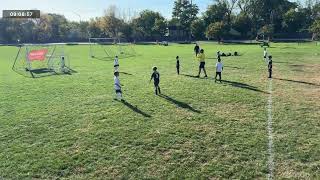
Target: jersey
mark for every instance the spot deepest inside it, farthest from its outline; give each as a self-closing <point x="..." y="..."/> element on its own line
<point x="156" y="77"/>
<point x="117" y="85"/>
<point x="197" y="49"/>
<point x="116" y="62"/>
<point x="201" y="57"/>
<point x="219" y="67"/>
<point x="270" y="66"/>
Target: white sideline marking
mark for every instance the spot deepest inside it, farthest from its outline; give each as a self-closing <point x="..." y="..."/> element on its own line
<point x="270" y="135"/>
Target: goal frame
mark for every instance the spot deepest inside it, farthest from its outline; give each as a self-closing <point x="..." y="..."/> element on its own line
<point x="112" y="41"/>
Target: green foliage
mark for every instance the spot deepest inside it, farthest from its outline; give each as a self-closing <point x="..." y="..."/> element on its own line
<point x="294" y="20"/>
<point x="198" y="29"/>
<point x="315" y="29"/>
<point x="215" y="13"/>
<point x="267" y="30"/>
<point x="185" y="13"/>
<point x="216" y="30"/>
<point x="243" y="24"/>
<point x="109" y="24"/>
<point x="149" y="25"/>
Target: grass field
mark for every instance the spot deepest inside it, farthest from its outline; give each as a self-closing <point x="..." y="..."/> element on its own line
<point x="69" y="126"/>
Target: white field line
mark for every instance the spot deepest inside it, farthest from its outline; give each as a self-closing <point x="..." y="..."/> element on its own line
<point x="270" y="134"/>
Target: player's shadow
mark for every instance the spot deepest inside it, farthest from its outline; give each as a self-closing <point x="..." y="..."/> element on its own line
<point x="102" y="58"/>
<point x="233" y="67"/>
<point x="243" y="86"/>
<point x="135" y="109"/>
<point x="125" y="73"/>
<point x="179" y="103"/>
<point x="295" y="81"/>
<point x="191" y="76"/>
<point x="279" y="62"/>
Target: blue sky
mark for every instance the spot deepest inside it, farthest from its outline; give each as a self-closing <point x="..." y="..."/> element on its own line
<point x="86" y="9"/>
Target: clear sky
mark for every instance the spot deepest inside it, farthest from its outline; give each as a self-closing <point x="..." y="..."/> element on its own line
<point x="86" y="9"/>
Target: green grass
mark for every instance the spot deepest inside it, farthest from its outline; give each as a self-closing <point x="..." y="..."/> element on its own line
<point x="69" y="126"/>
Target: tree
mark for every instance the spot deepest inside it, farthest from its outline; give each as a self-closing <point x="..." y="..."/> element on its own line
<point x="110" y="24"/>
<point x="198" y="29"/>
<point x="242" y="23"/>
<point x="185" y="13"/>
<point x="215" y="13"/>
<point x="294" y="20"/>
<point x="267" y="30"/>
<point x="149" y="25"/>
<point x="216" y="30"/>
<point x="94" y="28"/>
<point x="315" y="29"/>
<point x="43" y="29"/>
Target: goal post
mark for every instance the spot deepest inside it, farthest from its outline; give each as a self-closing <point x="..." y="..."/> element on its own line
<point x="108" y="48"/>
<point x="37" y="60"/>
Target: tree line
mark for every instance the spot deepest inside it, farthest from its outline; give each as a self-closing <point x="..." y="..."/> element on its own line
<point x="223" y="19"/>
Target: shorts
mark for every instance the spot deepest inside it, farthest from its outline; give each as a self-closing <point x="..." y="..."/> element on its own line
<point x="156" y="83"/>
<point x="202" y="65"/>
<point x="116" y="66"/>
<point x="118" y="91"/>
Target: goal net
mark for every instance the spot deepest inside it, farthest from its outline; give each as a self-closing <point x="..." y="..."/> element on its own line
<point x="41" y="60"/>
<point x="108" y="48"/>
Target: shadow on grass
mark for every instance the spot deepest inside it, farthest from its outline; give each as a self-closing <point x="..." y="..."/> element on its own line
<point x="125" y="73"/>
<point x="135" y="109"/>
<point x="279" y="62"/>
<point x="102" y="58"/>
<point x="295" y="81"/>
<point x="191" y="76"/>
<point x="243" y="86"/>
<point x="42" y="72"/>
<point x="233" y="67"/>
<point x="179" y="103"/>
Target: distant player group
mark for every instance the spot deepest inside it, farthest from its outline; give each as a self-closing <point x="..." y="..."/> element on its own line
<point x="200" y="55"/>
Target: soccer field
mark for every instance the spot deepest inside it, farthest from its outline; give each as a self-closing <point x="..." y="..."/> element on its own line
<point x="247" y="127"/>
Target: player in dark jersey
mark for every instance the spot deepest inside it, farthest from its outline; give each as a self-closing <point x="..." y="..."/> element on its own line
<point x="156" y="78"/>
<point x="270" y="66"/>
<point x="178" y="65"/>
<point x="197" y="49"/>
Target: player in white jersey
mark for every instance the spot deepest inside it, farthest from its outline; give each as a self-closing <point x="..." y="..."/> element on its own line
<point x="117" y="86"/>
<point x="219" y="69"/>
<point x="265" y="54"/>
<point x="116" y="64"/>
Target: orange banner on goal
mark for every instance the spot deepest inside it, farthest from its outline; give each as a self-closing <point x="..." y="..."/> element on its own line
<point x="37" y="55"/>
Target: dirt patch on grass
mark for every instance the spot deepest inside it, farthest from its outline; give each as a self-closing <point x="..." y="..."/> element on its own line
<point x="300" y="87"/>
<point x="306" y="68"/>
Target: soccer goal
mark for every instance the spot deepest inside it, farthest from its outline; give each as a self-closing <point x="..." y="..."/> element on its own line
<point x="37" y="60"/>
<point x="108" y="48"/>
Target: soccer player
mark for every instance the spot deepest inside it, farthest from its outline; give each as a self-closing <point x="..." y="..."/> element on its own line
<point x="178" y="65"/>
<point x="156" y="78"/>
<point x="116" y="64"/>
<point x="202" y="59"/>
<point x="265" y="54"/>
<point x="62" y="64"/>
<point x="218" y="54"/>
<point x="117" y="86"/>
<point x="197" y="49"/>
<point x="219" y="69"/>
<point x="270" y="66"/>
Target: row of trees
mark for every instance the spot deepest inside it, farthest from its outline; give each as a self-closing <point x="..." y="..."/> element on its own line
<point x="222" y="19"/>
